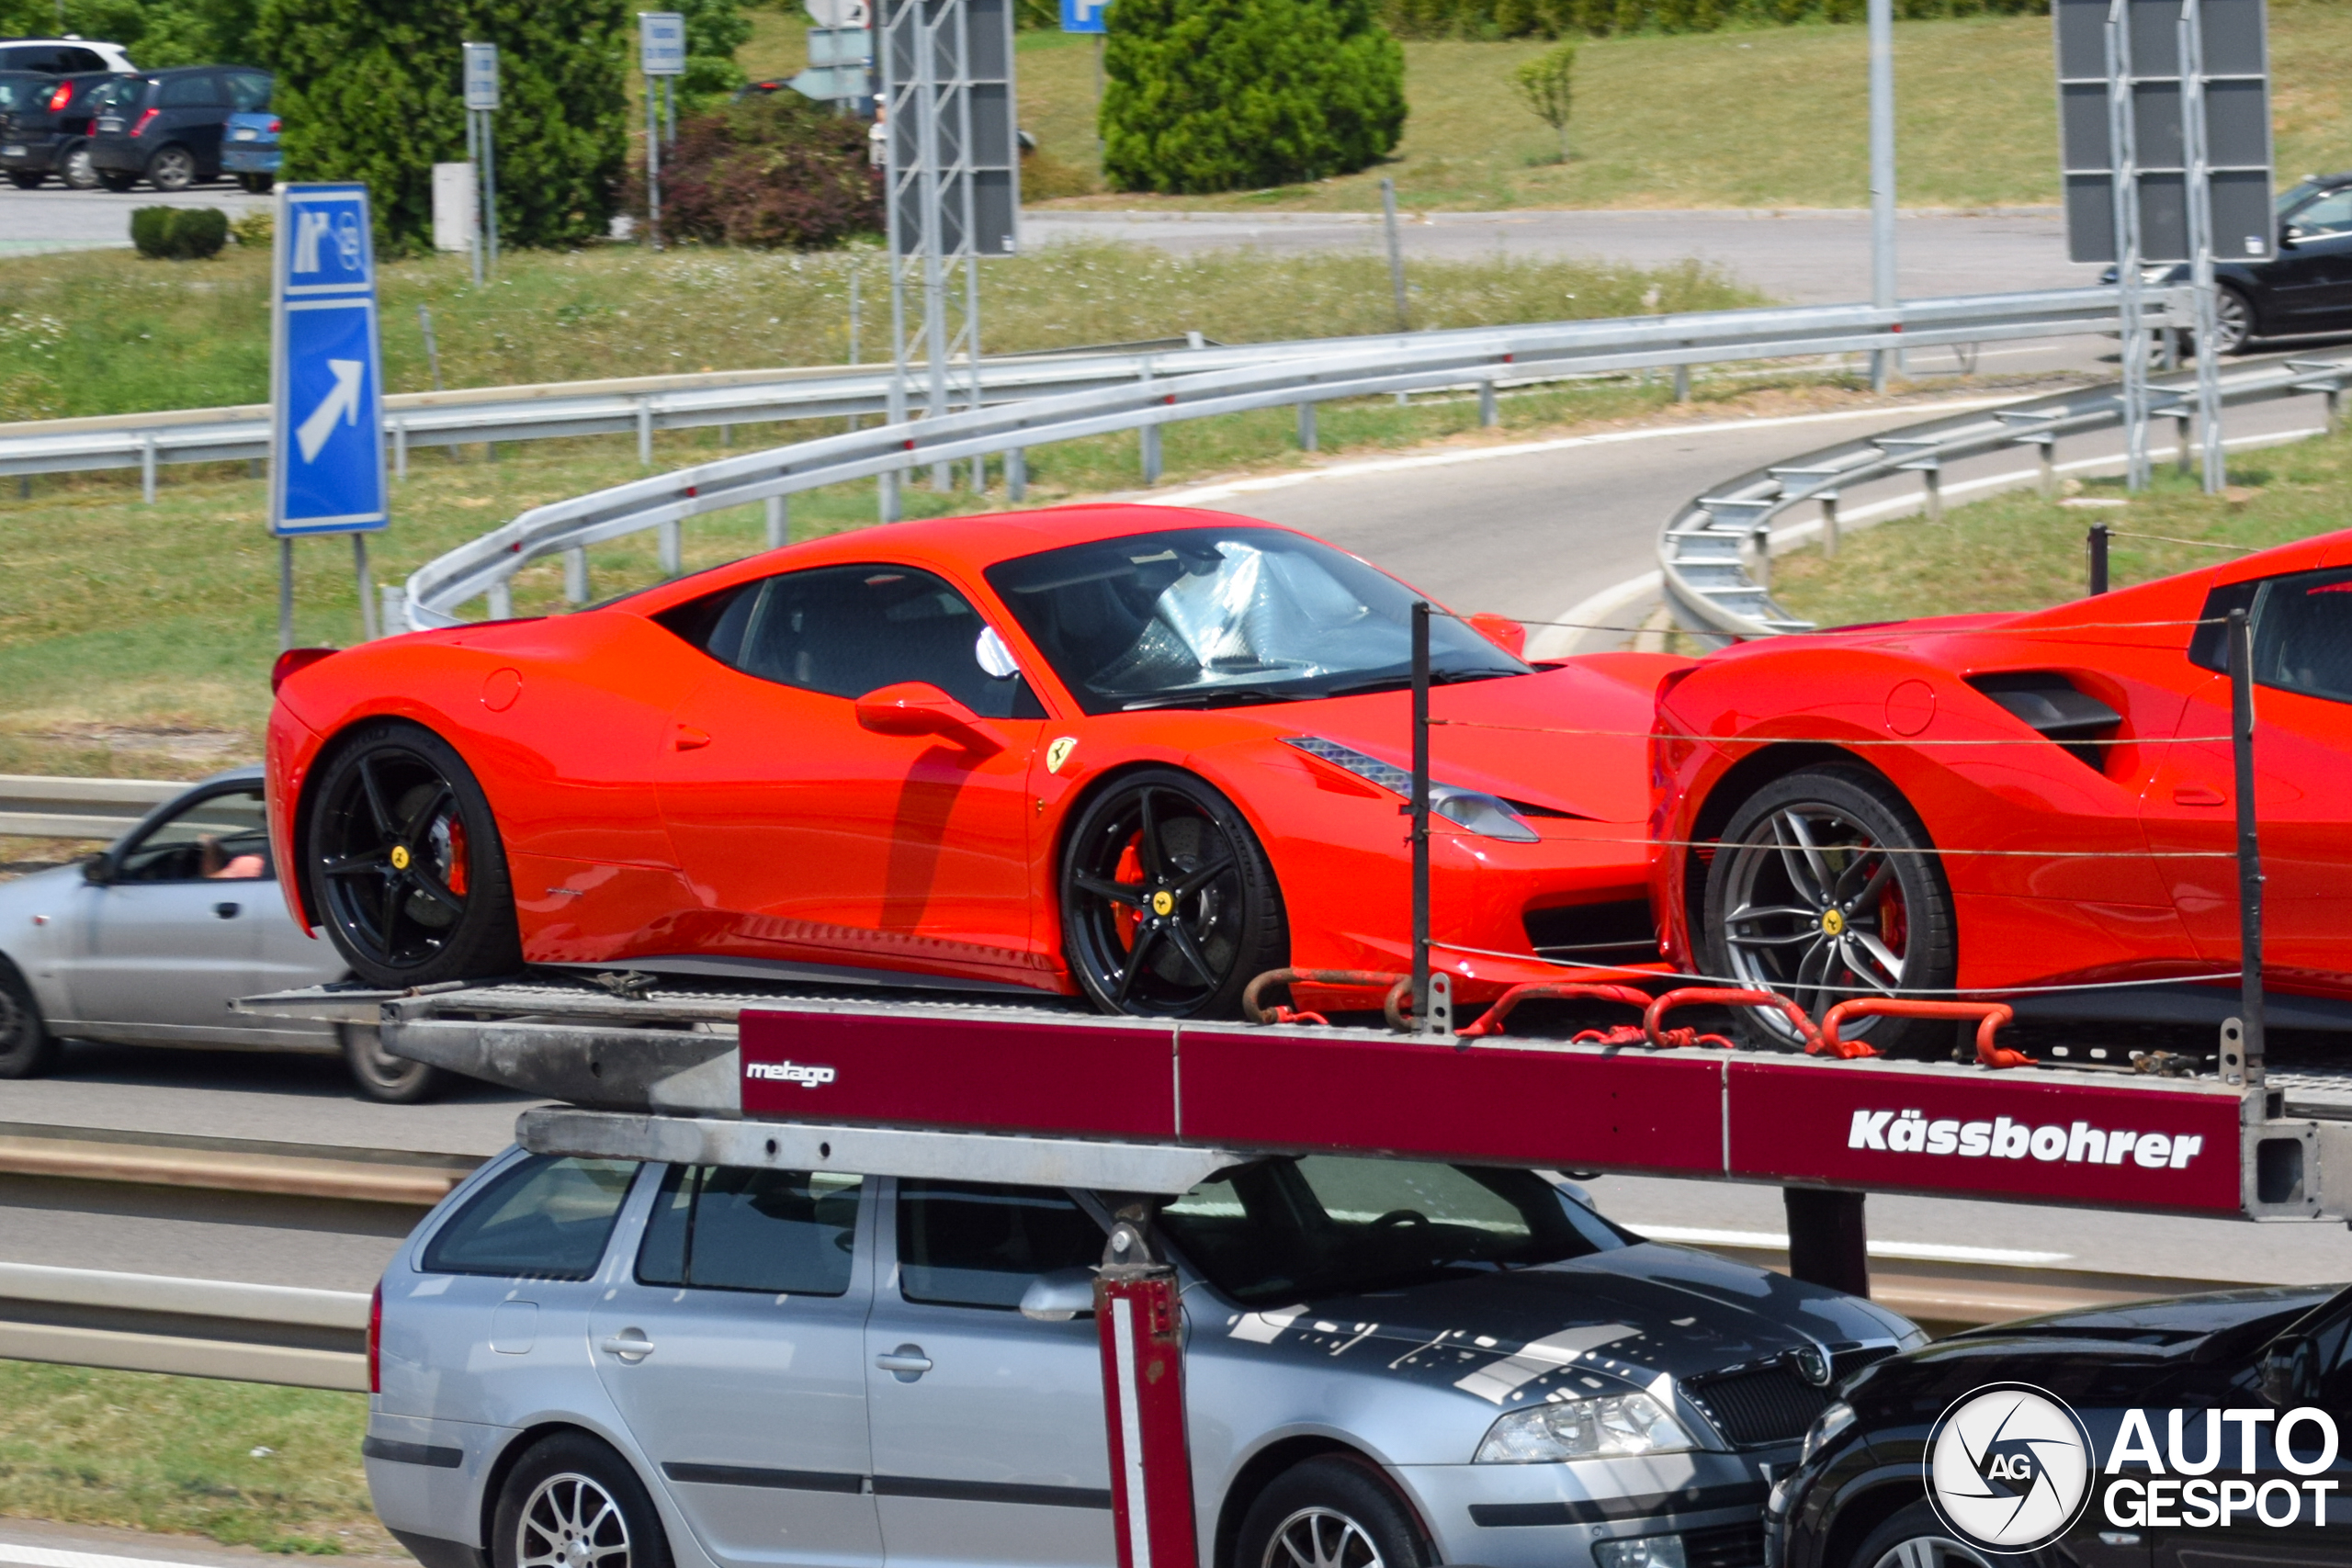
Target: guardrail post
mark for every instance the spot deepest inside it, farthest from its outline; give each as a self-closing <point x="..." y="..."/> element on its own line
<point x="1760" y="546"/>
<point x="1935" y="478"/>
<point x="1016" y="474"/>
<point x="1682" y="383"/>
<point x="1488" y="415"/>
<point x="726" y="435"/>
<point x="1829" y="525"/>
<point x="644" y="433"/>
<point x="779" y="521"/>
<point x="672" y="535"/>
<point x="2096" y="541"/>
<point x="575" y="575"/>
<point x="886" y="495"/>
<point x="394" y="615"/>
<point x="1306" y="425"/>
<point x="1147" y="436"/>
<point x="2182" y="444"/>
<point x="2048" y="477"/>
<point x="147" y="469"/>
<point x="400" y="446"/>
<point x="502" y="601"/>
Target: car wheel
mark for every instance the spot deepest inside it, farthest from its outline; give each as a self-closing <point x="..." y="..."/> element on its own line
<point x="116" y="180"/>
<point x="1820" y="891"/>
<point x="26" y="179"/>
<point x="1916" y="1538"/>
<point x="259" y="185"/>
<point x="2232" y="320"/>
<point x="172" y="168"/>
<point x="572" y="1503"/>
<point x="403" y="863"/>
<point x="77" y="171"/>
<point x="1169" y="907"/>
<point x="383" y="1076"/>
<point x="27" y="1050"/>
<point x="1329" y="1512"/>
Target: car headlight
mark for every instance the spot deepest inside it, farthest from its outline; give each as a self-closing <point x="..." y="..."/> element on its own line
<point x="1488" y="816"/>
<point x="1825" y="1426"/>
<point x="1614" y="1426"/>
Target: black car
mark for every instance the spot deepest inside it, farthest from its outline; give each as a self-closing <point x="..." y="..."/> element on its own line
<point x="2141" y="1436"/>
<point x="167" y="126"/>
<point x="45" y="125"/>
<point x="2306" y="290"/>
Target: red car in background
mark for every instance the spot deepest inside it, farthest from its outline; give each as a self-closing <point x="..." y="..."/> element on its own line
<point x="1994" y="803"/>
<point x="1141" y="754"/>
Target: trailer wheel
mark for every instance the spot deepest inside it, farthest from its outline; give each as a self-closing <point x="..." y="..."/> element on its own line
<point x="1329" y="1512"/>
<point x="571" y="1502"/>
<point x="1170" y="906"/>
<point x="1916" y="1538"/>
<point x="1824" y="888"/>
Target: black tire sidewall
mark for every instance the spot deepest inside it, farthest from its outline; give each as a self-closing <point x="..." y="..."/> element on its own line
<point x="578" y="1452"/>
<point x="415" y="1082"/>
<point x="1265" y="940"/>
<point x="1345" y="1486"/>
<point x="27" y="1050"/>
<point x="485" y="944"/>
<point x="1933" y="953"/>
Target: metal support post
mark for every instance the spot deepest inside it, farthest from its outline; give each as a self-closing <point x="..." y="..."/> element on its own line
<point x="1489" y="415"/>
<point x="393" y="614"/>
<point x="431" y="347"/>
<point x="1139" y="1313"/>
<point x="1395" y="253"/>
<point x="1682" y="383"/>
<point x="886" y="496"/>
<point x="2250" y="878"/>
<point x="2184" y="447"/>
<point x="1759" y="551"/>
<point x="575" y="575"/>
<point x="1016" y="474"/>
<point x="672" y="535"/>
<point x="1420" y="808"/>
<point x="1935" y="482"/>
<point x="1147" y="436"/>
<point x="490" y="185"/>
<point x="501" y="600"/>
<point x="2125" y="173"/>
<point x="1828" y="1238"/>
<point x="1307" y="435"/>
<point x="400" y="446"/>
<point x="2096" y="541"/>
<point x="2200" y="247"/>
<point x="367" y="587"/>
<point x="285" y="593"/>
<point x="644" y="433"/>
<point x="779" y="521"/>
<point x="652" y="169"/>
<point x="1881" y="71"/>
<point x="147" y="469"/>
<point x="1829" y="525"/>
<point x="474" y="241"/>
<point x="2047" y="476"/>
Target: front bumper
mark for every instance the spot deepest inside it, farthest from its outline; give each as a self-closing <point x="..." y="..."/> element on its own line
<point x="1553" y="1516"/>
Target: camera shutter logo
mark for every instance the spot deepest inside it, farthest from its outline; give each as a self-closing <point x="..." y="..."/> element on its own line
<point x="2009" y="1467"/>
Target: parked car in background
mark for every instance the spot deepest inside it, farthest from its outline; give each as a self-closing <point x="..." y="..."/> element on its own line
<point x="2305" y="289"/>
<point x="1386" y="1363"/>
<point x="167" y="127"/>
<point x="62" y="56"/>
<point x="148" y="944"/>
<point x="250" y="151"/>
<point x="45" y="125"/>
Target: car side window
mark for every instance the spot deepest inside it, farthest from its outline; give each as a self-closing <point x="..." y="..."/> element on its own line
<point x="77" y="60"/>
<point x="848" y="630"/>
<point x="724" y="1228"/>
<point x="2302" y="631"/>
<point x="2331" y="214"/>
<point x="221" y="838"/>
<point x="542" y="1217"/>
<point x="979" y="1244"/>
<point x="198" y="91"/>
<point x="248" y="92"/>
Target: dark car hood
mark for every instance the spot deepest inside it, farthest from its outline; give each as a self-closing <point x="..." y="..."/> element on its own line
<point x="1635" y="1312"/>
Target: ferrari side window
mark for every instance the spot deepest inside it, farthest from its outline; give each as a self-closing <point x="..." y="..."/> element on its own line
<point x="2302" y="632"/>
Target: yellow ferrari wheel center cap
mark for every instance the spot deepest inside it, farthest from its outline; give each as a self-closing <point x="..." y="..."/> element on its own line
<point x="1163" y="903"/>
<point x="400" y="857"/>
<point x="1832" y="922"/>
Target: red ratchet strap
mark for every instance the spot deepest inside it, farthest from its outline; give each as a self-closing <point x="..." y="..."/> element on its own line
<point x="1722" y="996"/>
<point x="1990" y="1016"/>
<point x="1349" y="979"/>
<point x="1492" y="1023"/>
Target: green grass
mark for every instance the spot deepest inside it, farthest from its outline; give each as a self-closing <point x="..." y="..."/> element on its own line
<point x="2020" y="552"/>
<point x="152" y="1452"/>
<point x="110" y="332"/>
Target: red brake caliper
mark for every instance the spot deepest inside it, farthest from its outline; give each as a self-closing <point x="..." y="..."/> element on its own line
<point x="1129" y="871"/>
<point x="457" y="856"/>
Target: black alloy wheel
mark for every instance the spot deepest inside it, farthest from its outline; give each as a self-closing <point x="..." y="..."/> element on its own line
<point x="383" y="1076"/>
<point x="571" y="1502"/>
<point x="26" y="179"/>
<point x="27" y="1050"/>
<point x="172" y="168"/>
<point x="77" y="171"/>
<point x="1826" y="886"/>
<point x="1331" y="1512"/>
<point x="1169" y="907"/>
<point x="404" y="864"/>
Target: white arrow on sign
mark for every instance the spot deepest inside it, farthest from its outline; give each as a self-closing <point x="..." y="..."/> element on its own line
<point x="341" y="403"/>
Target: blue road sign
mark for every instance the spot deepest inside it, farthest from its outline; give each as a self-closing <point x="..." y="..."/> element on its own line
<point x="1084" y="16"/>
<point x="326" y="372"/>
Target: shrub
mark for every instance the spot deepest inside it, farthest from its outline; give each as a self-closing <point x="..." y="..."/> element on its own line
<point x="1547" y="86"/>
<point x="256" y="228"/>
<point x="1226" y="95"/>
<point x="179" y="233"/>
<point x="771" y="171"/>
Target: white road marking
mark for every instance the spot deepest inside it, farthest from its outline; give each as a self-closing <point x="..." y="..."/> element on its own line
<point x="1774" y="1241"/>
<point x="51" y="1557"/>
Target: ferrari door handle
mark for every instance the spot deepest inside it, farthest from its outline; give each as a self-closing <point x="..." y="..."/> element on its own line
<point x="686" y="738"/>
<point x="2198" y="795"/>
<point x="906" y="1363"/>
<point x="630" y="1345"/>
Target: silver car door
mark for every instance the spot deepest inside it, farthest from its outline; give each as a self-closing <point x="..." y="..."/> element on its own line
<point x="988" y="1441"/>
<point x="172" y="934"/>
<point x="733" y="1349"/>
<point x="291" y="958"/>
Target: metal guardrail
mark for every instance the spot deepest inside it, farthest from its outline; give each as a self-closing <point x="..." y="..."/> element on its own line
<point x="209" y="1328"/>
<point x="77" y="808"/>
<point x="1305" y="374"/>
<point x="1714" y="556"/>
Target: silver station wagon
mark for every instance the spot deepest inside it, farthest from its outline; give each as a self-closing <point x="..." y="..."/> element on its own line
<point x="593" y="1364"/>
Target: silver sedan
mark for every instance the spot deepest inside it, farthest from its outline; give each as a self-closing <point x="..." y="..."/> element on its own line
<point x="149" y="942"/>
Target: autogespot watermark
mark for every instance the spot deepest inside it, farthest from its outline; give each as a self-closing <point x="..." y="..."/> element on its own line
<point x="2011" y="1468"/>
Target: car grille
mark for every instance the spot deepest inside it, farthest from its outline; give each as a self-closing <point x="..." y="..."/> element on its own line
<point x="1761" y="1407"/>
<point x="1844" y="1364"/>
<point x="1725" y="1546"/>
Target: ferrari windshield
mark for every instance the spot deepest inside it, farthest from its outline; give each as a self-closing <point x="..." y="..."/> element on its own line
<point x="1203" y="617"/>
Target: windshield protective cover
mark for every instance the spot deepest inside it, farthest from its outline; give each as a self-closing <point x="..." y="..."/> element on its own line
<point x="1205" y="617"/>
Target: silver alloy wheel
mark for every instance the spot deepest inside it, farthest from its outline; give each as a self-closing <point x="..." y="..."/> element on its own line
<point x="571" y="1521"/>
<point x="173" y="169"/>
<point x="1930" y="1552"/>
<point x="78" y="172"/>
<point x="1814" y="912"/>
<point x="2233" y="321"/>
<point x="1320" y="1538"/>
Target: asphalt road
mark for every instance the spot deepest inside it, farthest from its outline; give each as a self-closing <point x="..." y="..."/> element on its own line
<point x="55" y="218"/>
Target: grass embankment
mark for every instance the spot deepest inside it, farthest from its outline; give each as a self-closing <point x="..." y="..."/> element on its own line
<point x="248" y="1464"/>
<point x="2020" y="552"/>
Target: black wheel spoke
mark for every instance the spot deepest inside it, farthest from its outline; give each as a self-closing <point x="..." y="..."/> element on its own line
<point x="434" y="889"/>
<point x="1147" y="848"/>
<point x="1145" y="940"/>
<point x="1196" y="880"/>
<point x="366" y="864"/>
<point x="1130" y="894"/>
<point x="386" y="827"/>
<point x="413" y="830"/>
<point x="395" y="895"/>
<point x="1190" y="952"/>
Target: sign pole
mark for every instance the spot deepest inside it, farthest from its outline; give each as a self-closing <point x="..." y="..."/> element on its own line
<point x="2198" y="158"/>
<point x="653" y="163"/>
<point x="1881" y="45"/>
<point x="482" y="112"/>
<point x="489" y="185"/>
<point x="473" y="163"/>
<point x="660" y="55"/>
<point x="285" y="593"/>
<point x="2123" y="165"/>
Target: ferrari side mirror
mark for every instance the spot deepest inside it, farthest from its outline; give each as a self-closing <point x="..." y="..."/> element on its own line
<point x="918" y="707"/>
<point x="1502" y="631"/>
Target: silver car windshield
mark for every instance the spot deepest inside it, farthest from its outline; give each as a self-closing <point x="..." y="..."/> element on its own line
<point x="1206" y="617"/>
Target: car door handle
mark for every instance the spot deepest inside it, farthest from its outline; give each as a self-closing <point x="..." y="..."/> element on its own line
<point x="2198" y="795"/>
<point x="226" y="912"/>
<point x="906" y="1363"/>
<point x="630" y="1345"/>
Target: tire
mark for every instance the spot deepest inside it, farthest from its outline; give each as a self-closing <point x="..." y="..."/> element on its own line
<point x="172" y="168"/>
<point x="1332" y="1512"/>
<point x="1881" y="924"/>
<point x="2234" y="322"/>
<point x="1914" y="1538"/>
<point x="26" y="179"/>
<point x="567" y="1486"/>
<point x="402" y="861"/>
<point x="1169" y="907"/>
<point x="77" y="171"/>
<point x="27" y="1050"/>
<point x="258" y="184"/>
<point x="384" y="1077"/>
<point x="116" y="180"/>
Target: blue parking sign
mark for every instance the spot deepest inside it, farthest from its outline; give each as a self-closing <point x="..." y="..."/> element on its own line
<point x="327" y="402"/>
<point x="1084" y="16"/>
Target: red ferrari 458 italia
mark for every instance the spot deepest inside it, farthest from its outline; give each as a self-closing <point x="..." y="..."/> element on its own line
<point x="1141" y="754"/>
<point x="2013" y="803"/>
